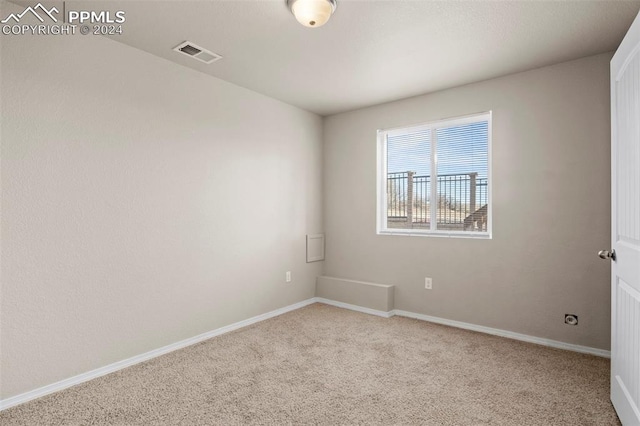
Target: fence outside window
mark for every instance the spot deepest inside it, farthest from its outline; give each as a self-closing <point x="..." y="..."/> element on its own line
<point x="461" y="201"/>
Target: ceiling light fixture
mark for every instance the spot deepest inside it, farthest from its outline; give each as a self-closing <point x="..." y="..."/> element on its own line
<point x="312" y="13"/>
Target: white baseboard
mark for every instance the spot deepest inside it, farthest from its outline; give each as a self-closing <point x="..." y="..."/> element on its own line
<point x="354" y="307"/>
<point x="509" y="334"/>
<point x="473" y="327"/>
<point x="93" y="374"/>
<point x="98" y="372"/>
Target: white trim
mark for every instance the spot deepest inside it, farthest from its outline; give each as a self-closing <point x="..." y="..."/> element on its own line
<point x="454" y="121"/>
<point x="440" y="234"/>
<point x="98" y="372"/>
<point x="490" y="175"/>
<point x="473" y="327"/>
<point x="356" y="308"/>
<point x="381" y="181"/>
<point x="508" y="334"/>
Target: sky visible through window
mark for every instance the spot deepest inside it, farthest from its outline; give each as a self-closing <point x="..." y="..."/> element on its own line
<point x="461" y="149"/>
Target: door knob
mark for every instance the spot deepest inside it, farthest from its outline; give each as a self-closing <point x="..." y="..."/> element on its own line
<point x="606" y="254"/>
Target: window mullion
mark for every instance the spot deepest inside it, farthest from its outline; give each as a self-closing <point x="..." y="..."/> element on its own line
<point x="434" y="180"/>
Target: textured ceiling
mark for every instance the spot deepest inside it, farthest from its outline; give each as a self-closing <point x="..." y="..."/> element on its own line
<point x="373" y="51"/>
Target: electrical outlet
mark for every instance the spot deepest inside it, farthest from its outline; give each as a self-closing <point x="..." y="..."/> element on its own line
<point x="428" y="283"/>
<point x="571" y="319"/>
<point x="288" y="276"/>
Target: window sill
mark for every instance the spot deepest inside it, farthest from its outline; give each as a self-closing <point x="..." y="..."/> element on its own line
<point x="442" y="234"/>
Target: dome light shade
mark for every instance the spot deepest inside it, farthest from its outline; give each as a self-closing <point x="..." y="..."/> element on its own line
<point x="312" y="13"/>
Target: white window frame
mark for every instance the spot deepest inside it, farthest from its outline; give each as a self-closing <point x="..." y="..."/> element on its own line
<point x="381" y="217"/>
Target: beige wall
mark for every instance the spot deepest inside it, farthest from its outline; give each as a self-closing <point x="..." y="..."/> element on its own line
<point x="142" y="203"/>
<point x="551" y="177"/>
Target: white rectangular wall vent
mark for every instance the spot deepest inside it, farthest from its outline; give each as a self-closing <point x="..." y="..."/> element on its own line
<point x="315" y="247"/>
<point x="197" y="52"/>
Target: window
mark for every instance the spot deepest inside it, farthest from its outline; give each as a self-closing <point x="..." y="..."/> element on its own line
<point x="434" y="179"/>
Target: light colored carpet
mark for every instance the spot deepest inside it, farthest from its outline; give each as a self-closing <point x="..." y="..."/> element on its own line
<point x="327" y="366"/>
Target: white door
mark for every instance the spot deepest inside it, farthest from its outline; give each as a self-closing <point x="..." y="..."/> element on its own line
<point x="625" y="227"/>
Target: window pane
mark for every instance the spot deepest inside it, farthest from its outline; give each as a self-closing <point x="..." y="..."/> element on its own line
<point x="462" y="184"/>
<point x="408" y="180"/>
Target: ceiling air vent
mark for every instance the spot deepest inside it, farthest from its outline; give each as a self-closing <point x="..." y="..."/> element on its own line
<point x="197" y="52"/>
